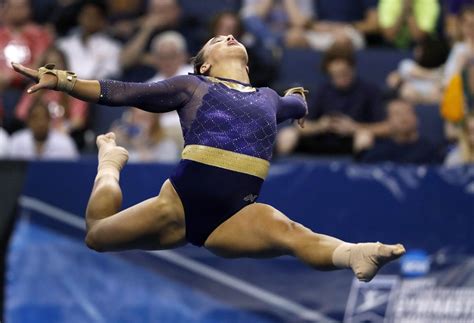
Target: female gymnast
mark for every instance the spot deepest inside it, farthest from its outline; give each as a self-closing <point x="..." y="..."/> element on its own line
<point x="229" y="129"/>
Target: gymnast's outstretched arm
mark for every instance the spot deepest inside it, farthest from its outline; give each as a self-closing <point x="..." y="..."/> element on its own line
<point x="292" y="106"/>
<point x="164" y="96"/>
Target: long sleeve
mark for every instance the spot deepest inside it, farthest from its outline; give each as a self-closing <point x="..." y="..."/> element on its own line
<point x="164" y="96"/>
<point x="292" y="106"/>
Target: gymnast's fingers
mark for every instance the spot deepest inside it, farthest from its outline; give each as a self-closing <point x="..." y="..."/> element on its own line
<point x="47" y="81"/>
<point x="28" y="72"/>
<point x="301" y="122"/>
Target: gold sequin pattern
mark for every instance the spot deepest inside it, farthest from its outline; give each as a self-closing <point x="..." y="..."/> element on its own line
<point x="227" y="159"/>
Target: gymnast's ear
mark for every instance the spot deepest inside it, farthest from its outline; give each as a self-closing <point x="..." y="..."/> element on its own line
<point x="204" y="69"/>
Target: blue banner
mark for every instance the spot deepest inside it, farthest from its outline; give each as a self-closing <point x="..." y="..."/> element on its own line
<point x="53" y="277"/>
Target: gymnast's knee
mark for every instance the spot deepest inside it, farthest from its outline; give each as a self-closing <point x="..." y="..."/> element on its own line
<point x="92" y="244"/>
<point x="93" y="241"/>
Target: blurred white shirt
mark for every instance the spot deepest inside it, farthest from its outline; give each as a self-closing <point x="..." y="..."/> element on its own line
<point x="4" y="141"/>
<point x="456" y="61"/>
<point x="57" y="146"/>
<point x="97" y="58"/>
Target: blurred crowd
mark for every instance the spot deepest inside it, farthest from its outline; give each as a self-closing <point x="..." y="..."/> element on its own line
<point x="151" y="40"/>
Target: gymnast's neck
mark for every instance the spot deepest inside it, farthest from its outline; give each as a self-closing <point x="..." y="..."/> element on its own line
<point x="231" y="69"/>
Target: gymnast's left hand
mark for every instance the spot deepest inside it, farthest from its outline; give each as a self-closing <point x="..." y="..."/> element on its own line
<point x="47" y="81"/>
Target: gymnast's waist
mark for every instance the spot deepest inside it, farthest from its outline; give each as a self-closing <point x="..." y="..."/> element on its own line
<point x="227" y="159"/>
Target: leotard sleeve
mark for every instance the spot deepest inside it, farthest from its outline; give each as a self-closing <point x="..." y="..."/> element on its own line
<point x="292" y="106"/>
<point x="168" y="95"/>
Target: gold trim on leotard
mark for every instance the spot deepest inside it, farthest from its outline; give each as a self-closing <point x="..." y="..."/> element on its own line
<point x="227" y="159"/>
<point x="232" y="85"/>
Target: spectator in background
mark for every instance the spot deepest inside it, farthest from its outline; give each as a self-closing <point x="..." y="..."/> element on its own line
<point x="4" y="141"/>
<point x="63" y="16"/>
<point x="452" y="23"/>
<point x="462" y="53"/>
<point x="344" y="20"/>
<point x="262" y="67"/>
<point x="463" y="153"/>
<point x="124" y="17"/>
<point x="21" y="41"/>
<point x="358" y="14"/>
<point x="89" y="51"/>
<point x="39" y="140"/>
<point x="170" y="54"/>
<point x="404" y="144"/>
<point x="405" y="22"/>
<point x="278" y="23"/>
<point x="68" y="114"/>
<point x="420" y="80"/>
<point x="141" y="134"/>
<point x="162" y="15"/>
<point x="344" y="105"/>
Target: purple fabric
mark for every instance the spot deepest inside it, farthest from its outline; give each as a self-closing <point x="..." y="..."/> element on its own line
<point x="211" y="113"/>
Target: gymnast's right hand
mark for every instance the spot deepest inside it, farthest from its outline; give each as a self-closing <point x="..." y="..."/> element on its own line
<point x="46" y="81"/>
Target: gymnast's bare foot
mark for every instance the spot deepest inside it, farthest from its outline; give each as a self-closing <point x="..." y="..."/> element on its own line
<point x="367" y="258"/>
<point x="112" y="158"/>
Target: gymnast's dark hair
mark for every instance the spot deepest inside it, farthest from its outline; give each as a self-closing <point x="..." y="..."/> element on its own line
<point x="198" y="61"/>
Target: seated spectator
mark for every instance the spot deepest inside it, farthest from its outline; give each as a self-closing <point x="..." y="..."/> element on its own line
<point x="170" y="56"/>
<point x="63" y="16"/>
<point x="462" y="53"/>
<point x="39" y="140"/>
<point x="420" y="80"/>
<point x="278" y="23"/>
<point x="343" y="105"/>
<point x="463" y="152"/>
<point x="405" y="22"/>
<point x="68" y="114"/>
<point x="170" y="53"/>
<point x="89" y="51"/>
<point x="344" y="15"/>
<point x="452" y="23"/>
<point x="162" y="15"/>
<point x="403" y="145"/>
<point x="458" y="78"/>
<point x="141" y="134"/>
<point x="262" y="67"/>
<point x="344" y="21"/>
<point x="21" y="41"/>
<point x="4" y="143"/>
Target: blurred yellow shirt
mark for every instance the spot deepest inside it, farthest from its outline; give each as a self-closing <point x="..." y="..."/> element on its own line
<point x="425" y="12"/>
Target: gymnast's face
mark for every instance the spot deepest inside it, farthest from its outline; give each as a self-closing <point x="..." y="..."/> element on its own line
<point x="221" y="49"/>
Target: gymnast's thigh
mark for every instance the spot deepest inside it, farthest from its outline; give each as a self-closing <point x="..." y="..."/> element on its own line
<point x="156" y="223"/>
<point x="258" y="231"/>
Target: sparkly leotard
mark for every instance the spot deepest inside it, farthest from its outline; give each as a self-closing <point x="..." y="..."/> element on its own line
<point x="229" y="129"/>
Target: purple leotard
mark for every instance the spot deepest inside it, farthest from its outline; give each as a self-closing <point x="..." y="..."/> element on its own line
<point x="216" y="113"/>
<point x="212" y="113"/>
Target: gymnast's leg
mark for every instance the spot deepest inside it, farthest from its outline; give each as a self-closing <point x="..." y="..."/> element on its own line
<point x="157" y="223"/>
<point x="260" y="230"/>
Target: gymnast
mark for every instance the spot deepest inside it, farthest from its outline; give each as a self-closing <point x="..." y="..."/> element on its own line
<point x="229" y="129"/>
